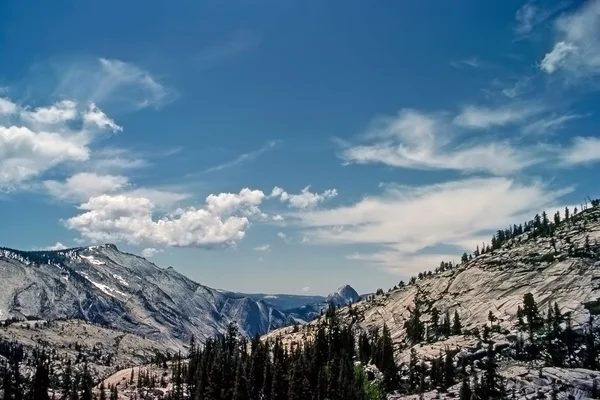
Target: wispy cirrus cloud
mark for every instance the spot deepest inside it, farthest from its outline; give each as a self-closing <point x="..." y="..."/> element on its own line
<point x="219" y="53"/>
<point x="244" y="157"/>
<point x="417" y="140"/>
<point x="470" y="62"/>
<point x="122" y="85"/>
<point x="576" y="51"/>
<point x="404" y="220"/>
<point x="478" y="117"/>
<point x="534" y="13"/>
<point x="584" y="150"/>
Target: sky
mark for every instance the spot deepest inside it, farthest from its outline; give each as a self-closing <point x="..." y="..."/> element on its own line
<point x="293" y="147"/>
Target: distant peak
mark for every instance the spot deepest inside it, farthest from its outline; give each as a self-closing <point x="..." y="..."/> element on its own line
<point x="345" y="288"/>
<point x="345" y="294"/>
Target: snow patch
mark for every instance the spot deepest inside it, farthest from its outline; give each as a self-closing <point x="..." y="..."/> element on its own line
<point x="92" y="260"/>
<point x="121" y="280"/>
<point x="107" y="289"/>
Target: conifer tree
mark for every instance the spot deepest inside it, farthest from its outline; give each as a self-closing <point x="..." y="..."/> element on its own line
<point x="457" y="326"/>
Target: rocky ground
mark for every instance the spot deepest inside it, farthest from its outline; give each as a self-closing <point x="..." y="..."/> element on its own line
<point x="106" y="350"/>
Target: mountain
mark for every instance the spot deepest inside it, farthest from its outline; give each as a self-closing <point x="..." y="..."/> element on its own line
<point x="307" y="312"/>
<point x="103" y="285"/>
<point x="554" y="264"/>
<point x="281" y="302"/>
<point x="344" y="295"/>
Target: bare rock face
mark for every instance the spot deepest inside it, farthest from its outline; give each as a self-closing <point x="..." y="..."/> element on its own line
<point x="103" y="285"/>
<point x="562" y="268"/>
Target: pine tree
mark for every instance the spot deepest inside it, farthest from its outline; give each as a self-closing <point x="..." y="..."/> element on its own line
<point x="41" y="380"/>
<point x="491" y="378"/>
<point x="435" y="319"/>
<point x="465" y="389"/>
<point x="457" y="327"/>
<point x="86" y="384"/>
<point x="102" y="391"/>
<point x="414" y="326"/>
<point x="240" y="391"/>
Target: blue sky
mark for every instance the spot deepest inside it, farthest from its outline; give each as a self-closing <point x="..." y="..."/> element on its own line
<point x="279" y="146"/>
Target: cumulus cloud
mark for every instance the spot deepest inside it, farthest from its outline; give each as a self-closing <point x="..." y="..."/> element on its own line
<point x="7" y="107"/>
<point x="223" y="221"/>
<point x="428" y="141"/>
<point x="150" y="252"/>
<point x="405" y="220"/>
<point x="577" y="47"/>
<point x="56" y="246"/>
<point x="62" y="111"/>
<point x="37" y="140"/>
<point x="25" y="153"/>
<point x="93" y="115"/>
<point x="305" y="199"/>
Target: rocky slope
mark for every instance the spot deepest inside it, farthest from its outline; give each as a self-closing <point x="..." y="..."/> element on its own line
<point x="562" y="268"/>
<point x="104" y="285"/>
<point x="105" y="350"/>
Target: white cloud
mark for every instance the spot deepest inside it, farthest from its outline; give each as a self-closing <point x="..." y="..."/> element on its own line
<point x="222" y="222"/>
<point x="534" y="13"/>
<point x="526" y="18"/>
<point x="283" y="237"/>
<point x="41" y="139"/>
<point x="150" y="252"/>
<point x="403" y="221"/>
<point x="577" y="47"/>
<point x="584" y="150"/>
<point x="25" y="154"/>
<point x="93" y="115"/>
<point x="550" y="123"/>
<point x="103" y="81"/>
<point x="116" y="159"/>
<point x="56" y="246"/>
<point x="426" y="141"/>
<point x="7" y="107"/>
<point x="305" y="289"/>
<point x="557" y="57"/>
<point x="246" y="201"/>
<point x="82" y="186"/>
<point x="58" y="113"/>
<point x="484" y="118"/>
<point x="264" y="247"/>
<point x="520" y="87"/>
<point x="305" y="199"/>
